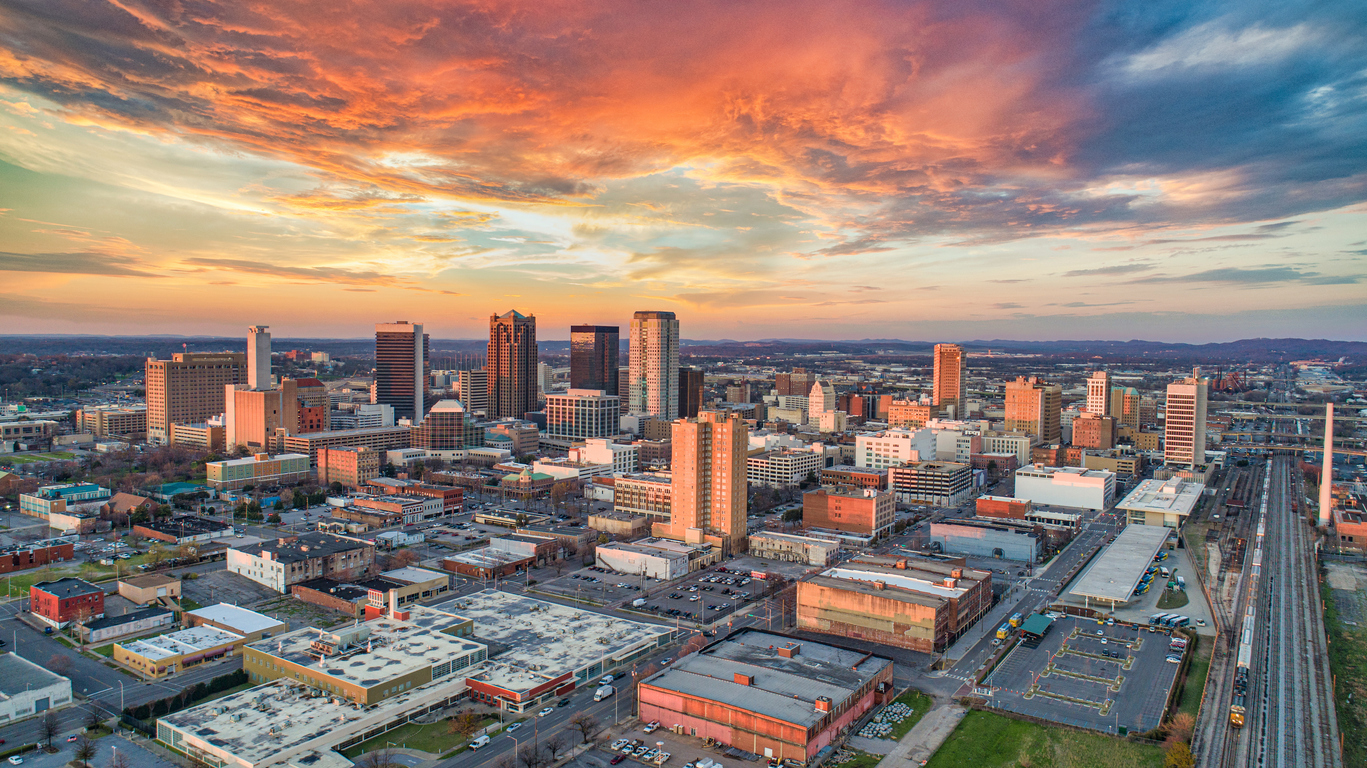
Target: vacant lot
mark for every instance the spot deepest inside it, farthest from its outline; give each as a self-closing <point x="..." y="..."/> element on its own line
<point x="434" y="738"/>
<point x="1196" y="676"/>
<point x="986" y="740"/>
<point x="1345" y="595"/>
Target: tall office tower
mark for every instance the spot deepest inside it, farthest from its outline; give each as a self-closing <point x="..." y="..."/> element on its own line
<point x="448" y="427"/>
<point x="1099" y="393"/>
<point x="259" y="357"/>
<point x="474" y="390"/>
<point x="690" y="392"/>
<point x="545" y="378"/>
<point x="654" y="359"/>
<point x="950" y="387"/>
<point x="315" y="406"/>
<point x="1184" y="433"/>
<point x="582" y="413"/>
<point x="738" y="393"/>
<point x="593" y="357"/>
<point x="1033" y="406"/>
<point x="708" y="481"/>
<point x="1125" y="406"/>
<point x="402" y="369"/>
<point x="798" y="383"/>
<point x="188" y="389"/>
<point x="623" y="388"/>
<point x="512" y="365"/>
<point x="820" y="399"/>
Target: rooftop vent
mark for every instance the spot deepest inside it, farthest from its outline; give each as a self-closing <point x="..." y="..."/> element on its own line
<point x="789" y="651"/>
<point x="744" y="679"/>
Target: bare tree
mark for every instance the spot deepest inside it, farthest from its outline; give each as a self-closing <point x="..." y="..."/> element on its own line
<point x="554" y="746"/>
<point x="530" y="756"/>
<point x="92" y="718"/>
<point x="586" y="724"/>
<point x="84" y="750"/>
<point x="59" y="663"/>
<point x="49" y="727"/>
<point x="380" y="758"/>
<point x="507" y="761"/>
<point x="119" y="761"/>
<point x="464" y="724"/>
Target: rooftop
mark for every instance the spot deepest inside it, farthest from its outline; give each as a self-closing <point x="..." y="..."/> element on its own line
<point x="1174" y="496"/>
<point x="68" y="587"/>
<point x="412" y="575"/>
<point x="783" y="688"/>
<point x="1116" y="571"/>
<point x="248" y="461"/>
<point x="487" y="557"/>
<point x="185" y="525"/>
<point x="241" y="619"/>
<point x="306" y="546"/>
<point x="125" y="618"/>
<point x="339" y="590"/>
<point x="385" y="648"/>
<point x="540" y="641"/>
<point x="150" y="580"/>
<point x="19" y="675"/>
<point x="178" y="643"/>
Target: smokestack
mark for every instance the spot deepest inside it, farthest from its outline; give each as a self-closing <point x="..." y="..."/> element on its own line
<point x="1327" y="474"/>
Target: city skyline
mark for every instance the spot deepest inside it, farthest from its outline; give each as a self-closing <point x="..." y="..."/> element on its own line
<point x="823" y="171"/>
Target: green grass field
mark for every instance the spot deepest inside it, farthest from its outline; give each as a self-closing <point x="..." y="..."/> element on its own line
<point x="106" y="651"/>
<point x="1169" y="599"/>
<point x="987" y="740"/>
<point x="920" y="705"/>
<point x="19" y="583"/>
<point x="429" y="738"/>
<point x="33" y="458"/>
<point x="1348" y="661"/>
<point x="1196" y="677"/>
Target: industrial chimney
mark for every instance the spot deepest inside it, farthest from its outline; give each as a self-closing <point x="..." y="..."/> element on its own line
<point x="1327" y="474"/>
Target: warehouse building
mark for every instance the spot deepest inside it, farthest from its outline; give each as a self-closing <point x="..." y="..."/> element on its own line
<point x="921" y="605"/>
<point x="27" y="689"/>
<point x="867" y="513"/>
<point x="35" y="554"/>
<point x="148" y="589"/>
<point x="768" y="694"/>
<point x="251" y="625"/>
<point x="789" y="548"/>
<point x="281" y="563"/>
<point x="137" y="622"/>
<point x="1161" y="502"/>
<point x="985" y="539"/>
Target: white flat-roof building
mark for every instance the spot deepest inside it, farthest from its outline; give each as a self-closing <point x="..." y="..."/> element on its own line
<point x="893" y="447"/>
<point x="1066" y="486"/>
<point x="27" y="689"/>
<point x="1161" y="502"/>
<point x="231" y="618"/>
<point x="782" y="469"/>
<point x="1115" y="573"/>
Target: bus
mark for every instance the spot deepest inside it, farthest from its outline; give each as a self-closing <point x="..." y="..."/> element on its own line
<point x="1016" y="619"/>
<point x="1004" y="631"/>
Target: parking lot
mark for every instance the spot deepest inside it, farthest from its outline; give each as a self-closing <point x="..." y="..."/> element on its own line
<point x="704" y="596"/>
<point x="679" y="747"/>
<point x="599" y="586"/>
<point x="1098" y="676"/>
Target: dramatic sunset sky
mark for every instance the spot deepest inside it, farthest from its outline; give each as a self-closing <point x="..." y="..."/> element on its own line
<point x="1169" y="169"/>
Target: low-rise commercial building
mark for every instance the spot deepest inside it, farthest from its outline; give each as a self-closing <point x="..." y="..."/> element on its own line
<point x="27" y="689"/>
<point x="344" y="598"/>
<point x="922" y="605"/>
<point x="642" y="560"/>
<point x="36" y="554"/>
<point x="866" y="513"/>
<point x="149" y="589"/>
<point x="27" y="435"/>
<point x="545" y="650"/>
<point x="1066" y="486"/>
<point x="252" y="626"/>
<point x="624" y="524"/>
<point x="790" y="548"/>
<point x="183" y="529"/>
<point x="137" y="622"/>
<point x="845" y="475"/>
<point x="122" y="422"/>
<point x="176" y="651"/>
<point x="127" y="504"/>
<point x="452" y="498"/>
<point x="768" y="694"/>
<point x="944" y="484"/>
<point x="208" y="435"/>
<point x="375" y="438"/>
<point x="66" y="600"/>
<point x="411" y="509"/>
<point x="487" y="563"/>
<point x="59" y="498"/>
<point x="259" y="469"/>
<point x="1161" y="502"/>
<point x="287" y="561"/>
<point x="648" y="494"/>
<point x="985" y="539"/>
<point x="783" y="469"/>
<point x="1125" y="463"/>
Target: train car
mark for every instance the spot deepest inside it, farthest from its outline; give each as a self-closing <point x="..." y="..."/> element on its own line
<point x="1237" y="712"/>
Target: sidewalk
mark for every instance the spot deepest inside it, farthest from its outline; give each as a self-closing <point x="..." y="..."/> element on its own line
<point x="926" y="737"/>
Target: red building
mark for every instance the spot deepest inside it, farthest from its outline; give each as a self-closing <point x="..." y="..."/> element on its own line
<point x="60" y="602"/>
<point x="855" y="477"/>
<point x="863" y="512"/>
<point x="1003" y="507"/>
<point x="35" y="554"/>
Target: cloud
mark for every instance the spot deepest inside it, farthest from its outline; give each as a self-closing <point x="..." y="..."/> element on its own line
<point x="336" y="275"/>
<point x="75" y="263"/>
<point x="1007" y="305"/>
<point x="1256" y="276"/>
<point x="1114" y="269"/>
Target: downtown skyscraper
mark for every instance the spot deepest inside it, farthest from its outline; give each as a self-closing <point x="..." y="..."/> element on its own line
<point x="950" y="385"/>
<point x="511" y="365"/>
<point x="654" y="377"/>
<point x="402" y="369"/>
<point x="593" y="357"/>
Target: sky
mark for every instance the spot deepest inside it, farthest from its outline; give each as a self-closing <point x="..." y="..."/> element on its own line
<point x="1179" y="171"/>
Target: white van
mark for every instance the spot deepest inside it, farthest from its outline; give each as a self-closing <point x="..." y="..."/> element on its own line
<point x="477" y="743"/>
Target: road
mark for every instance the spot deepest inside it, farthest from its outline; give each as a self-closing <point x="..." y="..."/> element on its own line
<point x="538" y="729"/>
<point x="1293" y="720"/>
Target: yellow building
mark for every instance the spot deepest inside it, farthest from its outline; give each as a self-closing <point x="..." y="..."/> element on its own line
<point x="177" y="651"/>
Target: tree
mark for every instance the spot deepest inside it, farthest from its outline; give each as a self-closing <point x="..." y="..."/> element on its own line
<point x="84" y="750"/>
<point x="464" y="724"/>
<point x="49" y="727"/>
<point x="403" y="558"/>
<point x="1182" y="726"/>
<point x="380" y="758"/>
<point x="274" y="518"/>
<point x="1179" y="756"/>
<point x="156" y="555"/>
<point x="554" y="746"/>
<point x="586" y="724"/>
<point x="530" y="756"/>
<point x="118" y="760"/>
<point x="336" y="487"/>
<point x="59" y="663"/>
<point x="92" y="718"/>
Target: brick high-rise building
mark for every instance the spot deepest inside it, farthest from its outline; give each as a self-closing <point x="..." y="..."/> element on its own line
<point x="690" y="392"/>
<point x="908" y="414"/>
<point x="653" y="383"/>
<point x="403" y="369"/>
<point x="1099" y="393"/>
<point x="798" y="383"/>
<point x="950" y="385"/>
<point x="1032" y="406"/>
<point x="708" y="495"/>
<point x="1093" y="431"/>
<point x="1184" y="431"/>
<point x="593" y="357"/>
<point x="188" y="388"/>
<point x="512" y="365"/>
<point x="861" y="512"/>
<point x="1125" y="406"/>
<point x="351" y="465"/>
